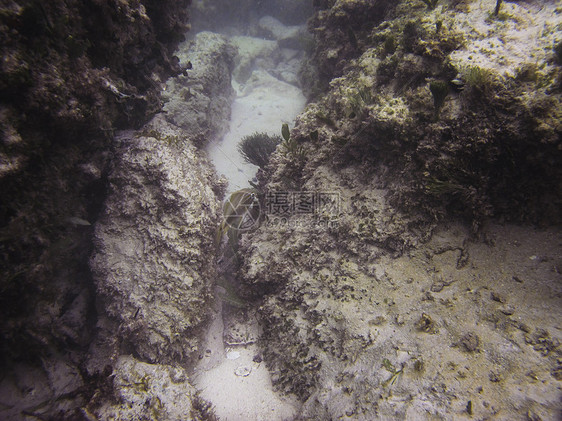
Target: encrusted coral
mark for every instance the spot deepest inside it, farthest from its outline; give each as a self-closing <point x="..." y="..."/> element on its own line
<point x="352" y="311"/>
<point x="152" y="392"/>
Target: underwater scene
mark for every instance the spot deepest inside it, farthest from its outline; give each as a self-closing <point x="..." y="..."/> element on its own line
<point x="280" y="210"/>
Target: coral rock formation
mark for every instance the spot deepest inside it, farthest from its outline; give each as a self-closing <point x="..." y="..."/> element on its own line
<point x="402" y="301"/>
<point x="154" y="246"/>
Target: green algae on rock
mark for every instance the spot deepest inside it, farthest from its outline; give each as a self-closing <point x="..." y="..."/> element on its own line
<point x="396" y="290"/>
<point x="439" y="90"/>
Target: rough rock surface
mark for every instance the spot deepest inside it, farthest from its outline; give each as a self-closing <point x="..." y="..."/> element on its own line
<point x="451" y="324"/>
<point x="71" y="71"/>
<point x="61" y="332"/>
<point x="154" y="243"/>
<point x="152" y="392"/>
<point x="73" y="65"/>
<point x="341" y="30"/>
<point x="467" y="153"/>
<point x="154" y="250"/>
<point x="200" y="101"/>
<point x="154" y="246"/>
<point x="380" y="306"/>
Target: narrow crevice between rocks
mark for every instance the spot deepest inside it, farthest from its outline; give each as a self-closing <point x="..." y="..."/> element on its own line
<point x="232" y="374"/>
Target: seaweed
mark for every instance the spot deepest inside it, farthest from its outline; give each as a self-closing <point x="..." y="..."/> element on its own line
<point x="439" y="89"/>
<point x="497" y="15"/>
<point x="389" y="46"/>
<point x="240" y="213"/>
<point x="294" y="149"/>
<point x="290" y="146"/>
<point x="285" y="131"/>
<point x="358" y="102"/>
<point x="393" y="370"/>
<point x="257" y="148"/>
<point x="411" y="35"/>
<point x="498" y="6"/>
<point x="202" y="409"/>
<point x="558" y="51"/>
<point x="479" y="80"/>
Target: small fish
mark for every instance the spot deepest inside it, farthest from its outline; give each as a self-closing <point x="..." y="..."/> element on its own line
<point x="458" y="83"/>
<point x="74" y="220"/>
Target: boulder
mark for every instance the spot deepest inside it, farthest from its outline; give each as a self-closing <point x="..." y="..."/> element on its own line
<point x="154" y="243"/>
<point x="286" y="36"/>
<point x="152" y="391"/>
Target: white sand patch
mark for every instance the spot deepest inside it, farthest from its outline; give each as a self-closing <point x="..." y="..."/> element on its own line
<point x="240" y="388"/>
<point x="263" y="104"/>
<point x="231" y="374"/>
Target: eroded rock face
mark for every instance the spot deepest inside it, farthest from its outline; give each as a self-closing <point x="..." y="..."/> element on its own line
<point x="200" y="102"/>
<point x="71" y="72"/>
<point x="154" y="257"/>
<point x="369" y="336"/>
<point x="153" y="262"/>
<point x="341" y="30"/>
<point x="154" y="244"/>
<point x="153" y="391"/>
<point x="382" y="308"/>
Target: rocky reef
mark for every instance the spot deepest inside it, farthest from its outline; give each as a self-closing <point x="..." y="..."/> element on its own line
<point x="107" y="238"/>
<point x="71" y="66"/>
<point x="408" y="263"/>
<point x="437" y="130"/>
<point x="71" y="73"/>
<point x="200" y="103"/>
<point x="466" y="149"/>
<point x="154" y="253"/>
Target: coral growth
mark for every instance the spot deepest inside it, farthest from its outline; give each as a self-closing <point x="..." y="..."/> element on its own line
<point x="257" y="148"/>
<point x="71" y="72"/>
<point x="360" y="314"/>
